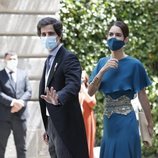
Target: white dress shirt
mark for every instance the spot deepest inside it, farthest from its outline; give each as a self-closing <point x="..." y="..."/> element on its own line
<point x="53" y="54"/>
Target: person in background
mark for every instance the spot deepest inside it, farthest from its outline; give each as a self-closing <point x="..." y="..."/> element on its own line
<point x="58" y="95"/>
<point x="120" y="77"/>
<point x="87" y="104"/>
<point x="15" y="92"/>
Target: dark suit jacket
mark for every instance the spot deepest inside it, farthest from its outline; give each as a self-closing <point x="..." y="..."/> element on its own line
<point x="8" y="93"/>
<point x="65" y="77"/>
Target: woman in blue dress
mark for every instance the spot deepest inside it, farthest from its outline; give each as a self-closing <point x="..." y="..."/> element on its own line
<point x="120" y="77"/>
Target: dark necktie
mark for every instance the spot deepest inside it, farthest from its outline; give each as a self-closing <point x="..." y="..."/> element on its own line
<point x="48" y="63"/>
<point x="11" y="79"/>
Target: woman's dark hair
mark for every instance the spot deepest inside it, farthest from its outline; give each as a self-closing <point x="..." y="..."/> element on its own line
<point x="122" y="26"/>
<point x="57" y="25"/>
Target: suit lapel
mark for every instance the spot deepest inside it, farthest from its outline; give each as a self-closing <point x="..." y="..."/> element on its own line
<point x="6" y="77"/>
<point x="42" y="81"/>
<point x="18" y="79"/>
<point x="13" y="84"/>
<point x="55" y="65"/>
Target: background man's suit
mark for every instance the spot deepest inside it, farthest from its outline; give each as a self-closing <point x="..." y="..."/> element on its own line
<point x="13" y="121"/>
<point x="65" y="77"/>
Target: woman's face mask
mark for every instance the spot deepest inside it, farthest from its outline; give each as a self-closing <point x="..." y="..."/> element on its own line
<point x="115" y="44"/>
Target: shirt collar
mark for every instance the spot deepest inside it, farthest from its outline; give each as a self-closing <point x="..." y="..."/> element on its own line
<point x="8" y="71"/>
<point x="55" y="51"/>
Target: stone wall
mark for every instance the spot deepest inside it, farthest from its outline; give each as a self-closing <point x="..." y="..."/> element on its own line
<point x="18" y="20"/>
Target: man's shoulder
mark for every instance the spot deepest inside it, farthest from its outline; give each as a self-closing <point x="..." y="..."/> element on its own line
<point x="67" y="53"/>
<point x="21" y="71"/>
<point x="63" y="49"/>
<point x="3" y="74"/>
<point x="2" y="70"/>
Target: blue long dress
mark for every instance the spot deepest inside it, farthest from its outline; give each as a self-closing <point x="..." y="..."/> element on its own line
<point x="121" y="135"/>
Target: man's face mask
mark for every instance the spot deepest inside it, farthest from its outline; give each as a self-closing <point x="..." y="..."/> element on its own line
<point x="12" y="64"/>
<point x="49" y="42"/>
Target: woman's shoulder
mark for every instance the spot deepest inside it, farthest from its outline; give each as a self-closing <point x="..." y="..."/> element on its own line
<point x="134" y="60"/>
<point x="104" y="59"/>
<point x="134" y="64"/>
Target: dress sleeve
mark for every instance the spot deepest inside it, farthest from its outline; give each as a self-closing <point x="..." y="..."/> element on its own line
<point x="140" y="78"/>
<point x="97" y="68"/>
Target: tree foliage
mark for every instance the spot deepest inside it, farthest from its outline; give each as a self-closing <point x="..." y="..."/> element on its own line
<point x="85" y="28"/>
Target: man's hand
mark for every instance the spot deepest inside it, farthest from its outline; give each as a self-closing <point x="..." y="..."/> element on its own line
<point x="17" y="106"/>
<point x="51" y="96"/>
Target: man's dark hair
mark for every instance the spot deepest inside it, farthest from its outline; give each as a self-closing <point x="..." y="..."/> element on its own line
<point x="9" y="53"/>
<point x="57" y="25"/>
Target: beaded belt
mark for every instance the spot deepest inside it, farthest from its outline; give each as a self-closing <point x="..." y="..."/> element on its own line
<point x="121" y="105"/>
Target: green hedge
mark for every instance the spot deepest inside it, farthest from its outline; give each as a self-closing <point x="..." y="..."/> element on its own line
<point x="85" y="27"/>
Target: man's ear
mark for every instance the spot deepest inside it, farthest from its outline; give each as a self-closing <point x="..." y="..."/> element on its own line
<point x="59" y="38"/>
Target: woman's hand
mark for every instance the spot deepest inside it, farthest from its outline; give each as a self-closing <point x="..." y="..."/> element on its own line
<point x="51" y="96"/>
<point x="111" y="63"/>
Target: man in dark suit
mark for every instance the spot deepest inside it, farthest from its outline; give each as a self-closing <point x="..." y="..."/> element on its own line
<point x="15" y="91"/>
<point x="58" y="95"/>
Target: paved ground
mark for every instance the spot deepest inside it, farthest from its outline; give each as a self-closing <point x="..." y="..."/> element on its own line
<point x="33" y="151"/>
<point x="96" y="152"/>
<point x="42" y="153"/>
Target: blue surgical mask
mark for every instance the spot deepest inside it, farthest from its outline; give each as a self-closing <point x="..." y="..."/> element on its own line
<point x="115" y="44"/>
<point x="49" y="42"/>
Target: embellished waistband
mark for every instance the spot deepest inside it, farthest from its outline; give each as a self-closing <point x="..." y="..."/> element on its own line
<point x="121" y="105"/>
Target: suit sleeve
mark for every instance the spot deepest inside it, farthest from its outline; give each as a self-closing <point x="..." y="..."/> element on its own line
<point x="72" y="73"/>
<point x="5" y="99"/>
<point x="27" y="91"/>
